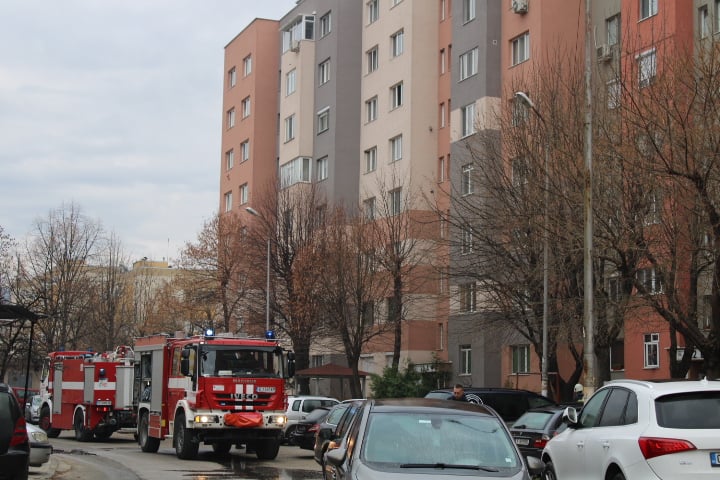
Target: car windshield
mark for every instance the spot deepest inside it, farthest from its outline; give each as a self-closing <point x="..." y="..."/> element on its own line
<point x="418" y="440"/>
<point x="239" y="362"/>
<point x="533" y="420"/>
<point x="696" y="410"/>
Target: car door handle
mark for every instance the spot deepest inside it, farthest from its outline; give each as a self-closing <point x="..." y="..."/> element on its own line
<point x="581" y="444"/>
<point x="605" y="443"/>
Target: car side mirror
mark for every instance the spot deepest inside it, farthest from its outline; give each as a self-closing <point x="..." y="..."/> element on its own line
<point x="336" y="456"/>
<point x="569" y="416"/>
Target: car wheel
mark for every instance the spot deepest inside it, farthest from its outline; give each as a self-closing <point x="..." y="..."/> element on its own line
<point x="618" y="476"/>
<point x="549" y="472"/>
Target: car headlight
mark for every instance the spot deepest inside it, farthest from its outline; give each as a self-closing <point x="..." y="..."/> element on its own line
<point x="278" y="419"/>
<point x="40" y="437"/>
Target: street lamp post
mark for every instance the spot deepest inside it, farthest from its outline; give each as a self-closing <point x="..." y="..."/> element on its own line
<point x="254" y="212"/>
<point x="544" y="362"/>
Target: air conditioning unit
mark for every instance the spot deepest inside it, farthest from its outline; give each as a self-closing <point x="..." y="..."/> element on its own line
<point x="295" y="45"/>
<point x="604" y="53"/>
<point x="520" y="6"/>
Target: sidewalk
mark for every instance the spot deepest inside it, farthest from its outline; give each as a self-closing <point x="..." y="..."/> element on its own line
<point x="57" y="465"/>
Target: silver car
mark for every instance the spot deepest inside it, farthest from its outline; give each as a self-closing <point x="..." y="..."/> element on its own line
<point x="40" y="448"/>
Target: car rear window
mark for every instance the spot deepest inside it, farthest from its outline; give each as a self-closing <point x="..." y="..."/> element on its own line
<point x="695" y="410"/>
<point x="316" y="415"/>
<point x="440" y="395"/>
<point x="533" y="420"/>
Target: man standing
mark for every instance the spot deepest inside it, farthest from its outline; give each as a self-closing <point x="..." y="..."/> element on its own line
<point x="458" y="393"/>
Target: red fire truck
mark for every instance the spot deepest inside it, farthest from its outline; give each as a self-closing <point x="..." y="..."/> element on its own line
<point x="216" y="390"/>
<point x="88" y="392"/>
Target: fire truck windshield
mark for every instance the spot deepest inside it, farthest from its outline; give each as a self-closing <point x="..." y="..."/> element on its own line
<point x="227" y="361"/>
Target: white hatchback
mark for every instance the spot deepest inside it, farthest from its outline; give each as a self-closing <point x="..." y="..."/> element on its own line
<point x="631" y="429"/>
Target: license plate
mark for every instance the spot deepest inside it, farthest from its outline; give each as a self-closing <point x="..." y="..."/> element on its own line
<point x="522" y="441"/>
<point x="715" y="459"/>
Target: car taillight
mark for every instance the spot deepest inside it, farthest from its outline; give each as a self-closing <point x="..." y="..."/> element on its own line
<point x="652" y="447"/>
<point x="314" y="428"/>
<point x="20" y="434"/>
<point x="540" y="442"/>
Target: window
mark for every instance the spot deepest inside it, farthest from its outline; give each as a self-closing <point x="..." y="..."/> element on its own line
<point x="321" y="169"/>
<point x="370" y="159"/>
<point x="324" y="72"/>
<point x="395" y="201"/>
<point x="465" y="360"/>
<point x="396" y="43"/>
<point x="247" y="66"/>
<point x="468" y="119"/>
<point x="290" y="128"/>
<point x="468" y="10"/>
<point x="372" y="59"/>
<point x="442" y="61"/>
<point x="468" y="297"/>
<point x="229" y="159"/>
<point x="612" y="25"/>
<point x="520" y="358"/>
<point x="301" y="29"/>
<point x="245" y="150"/>
<point x="717" y="15"/>
<point x="316" y="361"/>
<point x="395" y="2"/>
<point x="653" y="209"/>
<point x="325" y="25"/>
<point x="648" y="8"/>
<point x="290" y="82"/>
<point x="396" y="148"/>
<point x="369" y="207"/>
<point x="520" y="112"/>
<point x="394" y="311"/>
<point x="228" y="201"/>
<point x="617" y="355"/>
<point x="443" y="7"/>
<point x="230" y="118"/>
<point x="467" y="241"/>
<point x="519" y="172"/>
<point x="373" y="11"/>
<point x="649" y="280"/>
<point x="613" y="94"/>
<point x="243" y="194"/>
<point x="614" y="289"/>
<point x="232" y="77"/>
<point x="245" y="107"/>
<point x="396" y="95"/>
<point x="371" y="110"/>
<point x="443" y="115"/>
<point x="520" y="48"/>
<point x="441" y="169"/>
<point x="647" y="67"/>
<point x="323" y="120"/>
<point x="466" y="184"/>
<point x="651" y="342"/>
<point x="295" y="171"/>
<point x="468" y="64"/>
<point x="368" y="313"/>
<point x="703" y="21"/>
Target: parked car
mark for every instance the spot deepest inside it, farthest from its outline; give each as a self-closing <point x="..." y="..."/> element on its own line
<point x="305" y="430"/>
<point x="300" y="406"/>
<point x="415" y="438"/>
<point x="335" y="426"/>
<point x="14" y="443"/>
<point x="536" y="427"/>
<point x="508" y="402"/>
<point x="32" y="409"/>
<point x="640" y="429"/>
<point x="40" y="448"/>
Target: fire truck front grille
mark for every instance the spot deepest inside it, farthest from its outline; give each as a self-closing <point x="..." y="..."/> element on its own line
<point x="243" y="401"/>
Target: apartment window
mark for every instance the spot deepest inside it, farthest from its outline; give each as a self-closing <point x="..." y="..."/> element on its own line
<point x="290" y="128"/>
<point x="369" y="207"/>
<point x="368" y="313"/>
<point x="617" y="355"/>
<point x="372" y="59"/>
<point x="371" y="110"/>
<point x="244" y="194"/>
<point x="229" y="159"/>
<point x="396" y="43"/>
<point x="520" y="358"/>
<point x="442" y="61"/>
<point x="396" y="95"/>
<point x="468" y="10"/>
<point x="395" y="2"/>
<point x="520" y="48"/>
<point x="324" y="72"/>
<point x="466" y="245"/>
<point x="301" y="29"/>
<point x="443" y="114"/>
<point x="325" y="25"/>
<point x="717" y="15"/>
<point x="613" y="93"/>
<point x="648" y="8"/>
<point x="321" y="169"/>
<point x="323" y="120"/>
<point x="647" y="67"/>
<point x="373" y="11"/>
<point x="247" y="65"/>
<point x="232" y="77"/>
<point x="650" y="280"/>
<point x="466" y="184"/>
<point x="612" y="25"/>
<point x="394" y="310"/>
<point x="614" y="289"/>
<point x="520" y="112"/>
<point x="245" y="150"/>
<point x="468" y="297"/>
<point x="651" y="344"/>
<point x="443" y="8"/>
<point x="468" y="119"/>
<point x="653" y="208"/>
<point x="468" y="64"/>
<point x="520" y="171"/>
<point x="395" y="201"/>
<point x="441" y="169"/>
<point x="290" y="82"/>
<point x="396" y="148"/>
<point x="245" y="107"/>
<point x="703" y="21"/>
<point x="370" y="159"/>
<point x="228" y="202"/>
<point x="295" y="171"/>
<point x="465" y="360"/>
<point x="230" y="118"/>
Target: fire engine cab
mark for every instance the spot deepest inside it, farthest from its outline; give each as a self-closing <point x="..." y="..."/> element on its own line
<point x="216" y="390"/>
<point x="89" y="392"/>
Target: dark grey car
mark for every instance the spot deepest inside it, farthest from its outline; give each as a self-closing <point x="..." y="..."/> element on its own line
<point x="14" y="443"/>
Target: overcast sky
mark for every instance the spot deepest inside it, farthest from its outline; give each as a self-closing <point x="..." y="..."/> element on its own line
<point x="116" y="106"/>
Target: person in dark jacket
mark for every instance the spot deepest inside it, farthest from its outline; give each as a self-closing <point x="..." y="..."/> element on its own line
<point x="458" y="393"/>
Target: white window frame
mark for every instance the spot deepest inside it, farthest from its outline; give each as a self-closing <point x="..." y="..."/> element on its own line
<point x="324" y="72"/>
<point x="469" y="11"/>
<point x="520" y="359"/>
<point x="321" y="170"/>
<point x="396" y="96"/>
<point x="468" y="297"/>
<point x="468" y="64"/>
<point x="228" y="202"/>
<point x="397" y="43"/>
<point x="245" y="107"/>
<point x="520" y="49"/>
<point x="230" y="118"/>
<point x="395" y="198"/>
<point x="232" y="77"/>
<point x="298" y="170"/>
<point x="717" y="16"/>
<point x="443" y="115"/>
<point x="465" y="360"/>
<point x="613" y="93"/>
<point x="651" y="280"/>
<point x="648" y="8"/>
<point x="441" y="169"/>
<point x="290" y="128"/>
<point x="245" y="151"/>
<point x="229" y="159"/>
<point x="290" y="82"/>
<point x="647" y="67"/>
<point x="325" y="24"/>
<point x="443" y="61"/>
<point x="369" y="209"/>
<point x="371" y="109"/>
<point x="467" y="114"/>
<point x="612" y="26"/>
<point x="396" y="148"/>
<point x="247" y="65"/>
<point x="372" y="59"/>
<point x="466" y="183"/>
<point x="704" y="21"/>
<point x="244" y="193"/>
<point x="370" y="159"/>
<point x="323" y="120"/>
<point x="466" y="245"/>
<point x="373" y="11"/>
<point x="651" y="350"/>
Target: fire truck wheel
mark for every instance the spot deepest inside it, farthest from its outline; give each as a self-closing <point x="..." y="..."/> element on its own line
<point x="186" y="448"/>
<point x="267" y="449"/>
<point x="221" y="447"/>
<point x="45" y="423"/>
<point x="147" y="443"/>
<point x="82" y="434"/>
